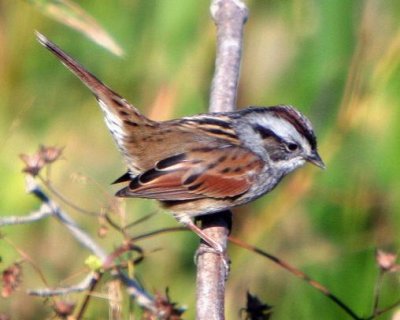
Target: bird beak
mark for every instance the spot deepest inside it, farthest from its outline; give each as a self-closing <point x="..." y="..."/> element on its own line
<point x="316" y="159"/>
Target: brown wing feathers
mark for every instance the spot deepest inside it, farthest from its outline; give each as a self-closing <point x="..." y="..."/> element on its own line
<point x="195" y="175"/>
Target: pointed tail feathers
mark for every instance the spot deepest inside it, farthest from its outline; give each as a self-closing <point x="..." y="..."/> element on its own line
<point x="108" y="99"/>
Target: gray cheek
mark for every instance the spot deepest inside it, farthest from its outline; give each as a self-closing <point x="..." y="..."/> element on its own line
<point x="251" y="139"/>
<point x="275" y="153"/>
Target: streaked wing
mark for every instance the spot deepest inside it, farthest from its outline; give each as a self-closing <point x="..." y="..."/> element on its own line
<point x="201" y="173"/>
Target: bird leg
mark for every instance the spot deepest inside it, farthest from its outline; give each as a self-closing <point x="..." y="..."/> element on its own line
<point x="187" y="222"/>
<point x="213" y="245"/>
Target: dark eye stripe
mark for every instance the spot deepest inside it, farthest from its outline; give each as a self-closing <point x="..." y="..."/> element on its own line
<point x="266" y="133"/>
<point x="294" y="117"/>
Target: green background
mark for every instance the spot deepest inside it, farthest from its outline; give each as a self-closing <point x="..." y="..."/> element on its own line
<point x="337" y="61"/>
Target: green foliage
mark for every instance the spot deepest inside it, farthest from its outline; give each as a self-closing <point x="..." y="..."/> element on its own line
<point x="338" y="61"/>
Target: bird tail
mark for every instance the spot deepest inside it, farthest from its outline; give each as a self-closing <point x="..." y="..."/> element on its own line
<point x="112" y="103"/>
<point x="127" y="125"/>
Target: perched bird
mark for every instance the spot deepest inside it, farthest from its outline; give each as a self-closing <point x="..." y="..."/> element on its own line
<point x="204" y="163"/>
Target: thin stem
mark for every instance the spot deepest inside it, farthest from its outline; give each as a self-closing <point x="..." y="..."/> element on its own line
<point x="384" y="310"/>
<point x="229" y="17"/>
<point x="81" y="236"/>
<point x="377" y="292"/>
<point x="60" y="196"/>
<point x="33" y="216"/>
<point x="95" y="280"/>
<point x="299" y="274"/>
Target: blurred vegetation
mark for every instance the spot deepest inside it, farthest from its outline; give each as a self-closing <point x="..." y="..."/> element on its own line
<point x="337" y="61"/>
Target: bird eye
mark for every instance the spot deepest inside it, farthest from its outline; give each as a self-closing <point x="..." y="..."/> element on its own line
<point x="292" y="146"/>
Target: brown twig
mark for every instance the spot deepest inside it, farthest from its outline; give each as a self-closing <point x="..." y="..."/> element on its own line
<point x="140" y="220"/>
<point x="379" y="312"/>
<point x="64" y="199"/>
<point x="95" y="280"/>
<point x="299" y="274"/>
<point x="156" y="232"/>
<point x="26" y="257"/>
<point x="377" y="292"/>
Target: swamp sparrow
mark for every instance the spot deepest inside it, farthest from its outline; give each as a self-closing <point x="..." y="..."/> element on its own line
<point x="205" y="163"/>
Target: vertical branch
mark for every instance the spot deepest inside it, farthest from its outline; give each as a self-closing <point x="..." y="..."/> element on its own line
<point x="229" y="17"/>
